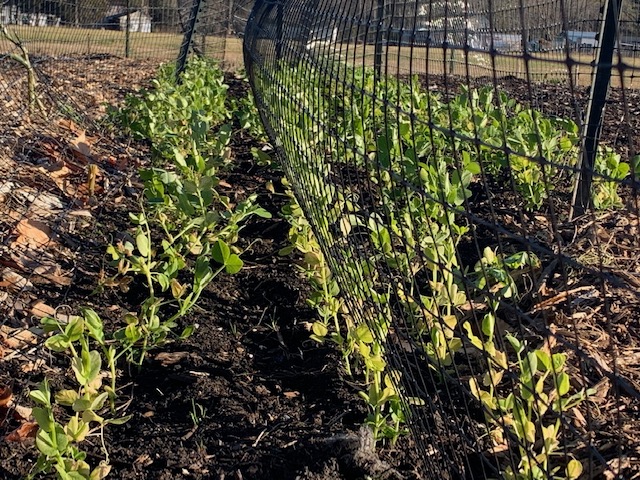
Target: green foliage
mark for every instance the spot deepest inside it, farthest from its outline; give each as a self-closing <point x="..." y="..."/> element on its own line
<point x="84" y="409"/>
<point x="415" y="157"/>
<point x="609" y="173"/>
<point x="174" y="116"/>
<point x="198" y="226"/>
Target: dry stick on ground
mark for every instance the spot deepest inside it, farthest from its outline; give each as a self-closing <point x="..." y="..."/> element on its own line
<point x="23" y="59"/>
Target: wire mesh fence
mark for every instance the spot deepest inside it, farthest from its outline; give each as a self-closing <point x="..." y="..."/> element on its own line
<point x="43" y="43"/>
<point x="470" y="169"/>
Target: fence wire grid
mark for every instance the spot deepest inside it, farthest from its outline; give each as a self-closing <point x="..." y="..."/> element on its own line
<point x="470" y="169"/>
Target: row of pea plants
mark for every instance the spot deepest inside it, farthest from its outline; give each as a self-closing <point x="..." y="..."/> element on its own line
<point x="182" y="237"/>
<point x="416" y="156"/>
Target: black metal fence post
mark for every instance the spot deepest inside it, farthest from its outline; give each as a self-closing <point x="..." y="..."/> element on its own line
<point x="189" y="36"/>
<point x="380" y="37"/>
<point x="127" y="31"/>
<point x="595" y="109"/>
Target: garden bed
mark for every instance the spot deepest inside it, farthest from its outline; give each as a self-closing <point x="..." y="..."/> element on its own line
<point x="249" y="395"/>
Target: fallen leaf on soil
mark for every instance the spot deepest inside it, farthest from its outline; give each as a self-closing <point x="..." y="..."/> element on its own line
<point x="33" y="366"/>
<point x="32" y="233"/>
<point x="6" y="394"/>
<point x="291" y="394"/>
<point x="14" y="281"/>
<point x="81" y="213"/>
<point x="24" y="431"/>
<point x="81" y="147"/>
<point x="170" y="358"/>
<point x="41" y="267"/>
<point x="45" y="204"/>
<point x="59" y="173"/>
<point x="22" y="413"/>
<point x="616" y="467"/>
<point x="69" y="125"/>
<point x="41" y="309"/>
<point x="16" y="338"/>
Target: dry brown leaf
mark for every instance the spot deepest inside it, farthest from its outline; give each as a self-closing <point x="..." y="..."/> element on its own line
<point x="170" y="358"/>
<point x="6" y="394"/>
<point x="14" y="282"/>
<point x="24" y="431"/>
<point x="16" y="338"/>
<point x="81" y="147"/>
<point x="40" y="309"/>
<point x="59" y="173"/>
<point x="22" y="413"/>
<point x="32" y="366"/>
<point x="54" y="274"/>
<point x="32" y="233"/>
<point x="69" y="125"/>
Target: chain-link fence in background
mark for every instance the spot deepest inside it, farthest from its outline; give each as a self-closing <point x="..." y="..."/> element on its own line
<point x="473" y="180"/>
<point x="130" y="28"/>
<point x="68" y="43"/>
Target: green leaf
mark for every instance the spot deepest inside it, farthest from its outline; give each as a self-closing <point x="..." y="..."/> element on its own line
<point x="563" y="384"/>
<point x="81" y="404"/>
<point x="488" y="325"/>
<point x="42" y="395"/>
<point x="515" y="343"/>
<point x="558" y="360"/>
<point x="66" y="397"/>
<point x="574" y="469"/>
<point x="119" y="421"/>
<point x="57" y="343"/>
<point x="163" y="281"/>
<point x="74" y="329"/>
<point x="94" y="325"/>
<point x="77" y="429"/>
<point x="233" y="264"/>
<point x="52" y="443"/>
<point x="91" y="416"/>
<point x="220" y="252"/>
<point x="187" y="332"/>
<point x="42" y="416"/>
<point x="87" y="366"/>
<point x="46" y="444"/>
<point x="376" y="363"/>
<point x="473" y="167"/>
<point x="544" y="360"/>
<point x="319" y="329"/>
<point x="179" y="158"/>
<point x="98" y="402"/>
<point x="363" y="333"/>
<point x="142" y="242"/>
<point x="100" y="472"/>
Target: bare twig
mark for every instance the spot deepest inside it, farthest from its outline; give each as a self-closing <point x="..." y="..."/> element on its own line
<point x="23" y="59"/>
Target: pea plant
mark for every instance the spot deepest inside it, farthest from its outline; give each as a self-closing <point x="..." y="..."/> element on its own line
<point x="85" y="407"/>
<point x="182" y="238"/>
<point x="198" y="226"/>
<point x="170" y="116"/>
<point x="419" y="158"/>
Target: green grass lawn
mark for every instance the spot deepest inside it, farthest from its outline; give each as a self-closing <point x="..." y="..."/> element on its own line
<point x="57" y="41"/>
<point x="550" y="66"/>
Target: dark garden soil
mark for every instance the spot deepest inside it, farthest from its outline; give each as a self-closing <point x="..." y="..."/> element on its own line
<point x="248" y="396"/>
